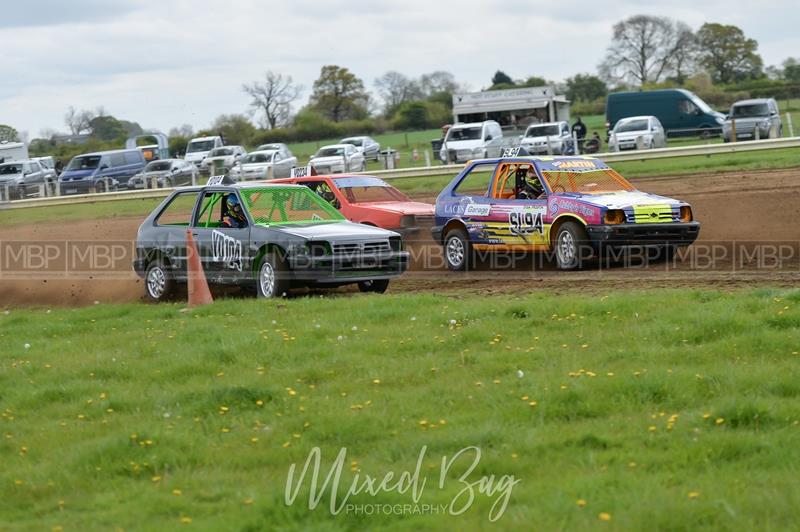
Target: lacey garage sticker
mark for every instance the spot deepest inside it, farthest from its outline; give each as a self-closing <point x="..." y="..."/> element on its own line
<point x="527" y="220"/>
<point x="477" y="209"/>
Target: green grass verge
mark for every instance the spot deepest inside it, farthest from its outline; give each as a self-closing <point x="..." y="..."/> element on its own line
<point x="139" y="417"/>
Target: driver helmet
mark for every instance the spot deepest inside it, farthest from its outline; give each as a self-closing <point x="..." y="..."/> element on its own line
<point x="232" y="202"/>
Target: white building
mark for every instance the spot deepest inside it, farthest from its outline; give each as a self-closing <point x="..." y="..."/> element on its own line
<point x="513" y="108"/>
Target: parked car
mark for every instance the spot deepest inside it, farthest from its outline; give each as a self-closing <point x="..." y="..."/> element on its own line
<point x="475" y="140"/>
<point x="753" y="115"/>
<point x="635" y="132"/>
<point x="227" y="155"/>
<point x="22" y="179"/>
<point x="556" y="135"/>
<point x="198" y="148"/>
<point x="264" y="237"/>
<point x="338" y="159"/>
<point x="367" y="145"/>
<point x="680" y="112"/>
<point x="369" y="200"/>
<point x="276" y="146"/>
<point x="168" y="173"/>
<point x="49" y="167"/>
<point x="572" y="207"/>
<point x="264" y="164"/>
<point x="100" y="171"/>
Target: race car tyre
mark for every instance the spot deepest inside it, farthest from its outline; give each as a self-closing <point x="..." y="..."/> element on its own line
<point x="377" y="286"/>
<point x="571" y="246"/>
<point x="272" y="277"/>
<point x="158" y="282"/>
<point x="457" y="250"/>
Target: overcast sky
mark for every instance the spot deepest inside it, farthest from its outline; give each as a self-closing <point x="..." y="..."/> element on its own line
<point x="167" y="63"/>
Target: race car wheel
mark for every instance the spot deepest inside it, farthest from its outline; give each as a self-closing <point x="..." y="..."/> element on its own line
<point x="158" y="283"/>
<point x="457" y="250"/>
<point x="377" y="286"/>
<point x="571" y="246"/>
<point x="272" y="279"/>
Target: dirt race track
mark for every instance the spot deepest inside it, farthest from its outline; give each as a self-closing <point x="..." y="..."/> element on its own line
<point x="750" y="236"/>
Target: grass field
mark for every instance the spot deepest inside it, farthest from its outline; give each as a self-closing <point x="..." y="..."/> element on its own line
<point x="152" y="418"/>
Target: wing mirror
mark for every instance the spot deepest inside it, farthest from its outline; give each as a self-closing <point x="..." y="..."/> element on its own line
<point x="488" y="138"/>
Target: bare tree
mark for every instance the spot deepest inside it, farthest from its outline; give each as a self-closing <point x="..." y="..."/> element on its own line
<point x="684" y="52"/>
<point x="78" y="121"/>
<point x="273" y="97"/>
<point x="395" y="88"/>
<point x="438" y="81"/>
<point x="641" y="50"/>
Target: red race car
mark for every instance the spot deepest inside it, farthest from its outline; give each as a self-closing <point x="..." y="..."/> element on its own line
<point x="369" y="200"/>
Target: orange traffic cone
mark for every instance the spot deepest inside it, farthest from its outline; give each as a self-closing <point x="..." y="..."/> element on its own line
<point x="199" y="294"/>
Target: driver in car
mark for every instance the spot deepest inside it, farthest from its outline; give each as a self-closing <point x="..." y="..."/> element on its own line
<point x="234" y="216"/>
<point x="528" y="184"/>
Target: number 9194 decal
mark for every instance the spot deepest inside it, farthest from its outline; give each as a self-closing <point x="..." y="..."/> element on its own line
<point x="525" y="222"/>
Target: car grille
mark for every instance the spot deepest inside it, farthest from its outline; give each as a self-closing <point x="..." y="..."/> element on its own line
<point x="356" y="248"/>
<point x="656" y="214"/>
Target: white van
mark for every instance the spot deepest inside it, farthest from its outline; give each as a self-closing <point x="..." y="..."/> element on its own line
<point x="198" y="148"/>
<point x="475" y="140"/>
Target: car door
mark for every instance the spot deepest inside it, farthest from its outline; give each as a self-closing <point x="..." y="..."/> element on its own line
<point x="223" y="250"/>
<point x="169" y="239"/>
<point x="517" y="222"/>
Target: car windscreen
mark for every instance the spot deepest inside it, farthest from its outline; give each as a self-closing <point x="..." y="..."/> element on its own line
<point x="158" y="166"/>
<point x="200" y="145"/>
<point x="750" y="110"/>
<point x="543" y="131"/>
<point x="288" y="205"/>
<point x="88" y="162"/>
<point x="220" y="152"/>
<point x="631" y="125"/>
<point x="354" y="142"/>
<point x="464" y="133"/>
<point x="329" y="152"/>
<point x="10" y="169"/>
<point x="368" y="189"/>
<point x="257" y="158"/>
<point x="599" y="181"/>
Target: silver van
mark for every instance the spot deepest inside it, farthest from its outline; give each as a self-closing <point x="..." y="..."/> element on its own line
<point x="753" y="117"/>
<point x="475" y="140"/>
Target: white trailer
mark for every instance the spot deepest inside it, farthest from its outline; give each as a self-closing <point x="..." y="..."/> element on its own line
<point x="13" y="151"/>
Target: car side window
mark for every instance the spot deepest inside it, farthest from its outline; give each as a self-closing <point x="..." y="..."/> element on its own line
<point x="210" y="214"/>
<point x="117" y="159"/>
<point x="476" y="182"/>
<point x="35" y="167"/>
<point x="179" y="211"/>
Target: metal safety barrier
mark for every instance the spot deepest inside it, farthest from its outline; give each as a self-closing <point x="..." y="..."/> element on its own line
<point x="440" y="170"/>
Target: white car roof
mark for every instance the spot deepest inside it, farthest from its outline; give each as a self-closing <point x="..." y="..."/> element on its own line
<point x="640" y="117"/>
<point x="335" y="146"/>
<point x="204" y="138"/>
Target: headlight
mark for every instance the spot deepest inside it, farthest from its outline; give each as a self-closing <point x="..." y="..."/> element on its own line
<point x="614" y="216"/>
<point x="686" y="214"/>
<point x="720" y="120"/>
<point x="396" y="243"/>
<point x="477" y="151"/>
<point x="407" y="220"/>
